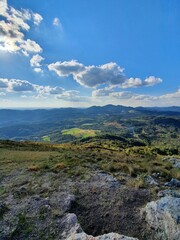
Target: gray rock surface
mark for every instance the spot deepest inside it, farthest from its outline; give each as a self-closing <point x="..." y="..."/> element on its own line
<point x="163" y="216"/>
<point x="150" y="180"/>
<point x="173" y="183"/>
<point x="175" y="162"/>
<point x="171" y="193"/>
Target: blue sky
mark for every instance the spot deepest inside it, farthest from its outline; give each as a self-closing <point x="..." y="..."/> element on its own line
<point x="80" y="53"/>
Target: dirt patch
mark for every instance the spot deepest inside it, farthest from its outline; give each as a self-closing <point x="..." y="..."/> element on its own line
<point x="110" y="207"/>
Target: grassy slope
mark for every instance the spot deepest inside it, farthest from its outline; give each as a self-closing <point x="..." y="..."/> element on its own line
<point x="80" y="159"/>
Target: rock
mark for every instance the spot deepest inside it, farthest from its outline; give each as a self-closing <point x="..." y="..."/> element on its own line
<point x="70" y="226"/>
<point x="175" y="162"/>
<point x="112" y="236"/>
<point x="173" y="183"/>
<point x="3" y="208"/>
<point x="167" y="192"/>
<point x="68" y="202"/>
<point x="156" y="175"/>
<point x="163" y="216"/>
<point x="150" y="180"/>
<point x="103" y="179"/>
<point x="109" y="236"/>
<point x="73" y="231"/>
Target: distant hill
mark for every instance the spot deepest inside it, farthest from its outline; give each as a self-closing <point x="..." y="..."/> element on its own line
<point x="41" y="124"/>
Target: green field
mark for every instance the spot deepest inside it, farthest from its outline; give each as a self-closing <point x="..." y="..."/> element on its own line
<point x="46" y="139"/>
<point x="79" y="133"/>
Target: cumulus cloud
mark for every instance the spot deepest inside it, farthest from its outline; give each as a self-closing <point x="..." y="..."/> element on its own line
<point x="20" y="86"/>
<point x="3" y="83"/>
<point x="103" y="92"/>
<point x="37" y="18"/>
<point x="133" y="98"/>
<point x="111" y="94"/>
<point x="89" y="76"/>
<point x="3" y="7"/>
<point x="12" y="27"/>
<point x="16" y="85"/>
<point x="64" y="69"/>
<point x="72" y="96"/>
<point x="137" y="82"/>
<point x="151" y="81"/>
<point x="121" y="95"/>
<point x="38" y="70"/>
<point x="92" y="76"/>
<point x="36" y="60"/>
<point x="47" y="90"/>
<point x="131" y="83"/>
<point x="23" y="86"/>
<point x="171" y="95"/>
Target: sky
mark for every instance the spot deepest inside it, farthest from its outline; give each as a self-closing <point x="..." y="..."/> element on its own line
<point x="66" y="53"/>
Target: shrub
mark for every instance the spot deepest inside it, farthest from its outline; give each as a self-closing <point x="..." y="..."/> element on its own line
<point x="33" y="168"/>
<point x="60" y="166"/>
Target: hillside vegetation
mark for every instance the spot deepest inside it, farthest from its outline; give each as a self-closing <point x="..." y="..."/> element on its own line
<point x="94" y="169"/>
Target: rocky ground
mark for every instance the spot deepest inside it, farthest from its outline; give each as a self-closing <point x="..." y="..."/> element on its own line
<point x="50" y="206"/>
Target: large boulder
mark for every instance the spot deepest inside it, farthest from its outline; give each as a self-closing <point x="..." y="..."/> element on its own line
<point x="163" y="216"/>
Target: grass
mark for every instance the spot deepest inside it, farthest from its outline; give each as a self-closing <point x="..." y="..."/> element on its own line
<point x="79" y="160"/>
<point x="79" y="133"/>
<point x="46" y="139"/>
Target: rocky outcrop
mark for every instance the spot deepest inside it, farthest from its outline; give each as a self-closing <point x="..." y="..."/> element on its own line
<point x="73" y="231"/>
<point x="173" y="183"/>
<point x="150" y="180"/>
<point x="175" y="161"/>
<point x="163" y="216"/>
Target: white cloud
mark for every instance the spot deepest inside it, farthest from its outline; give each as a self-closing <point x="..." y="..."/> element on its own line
<point x="30" y="46"/>
<point x="101" y="92"/>
<point x="72" y="96"/>
<point x="23" y="86"/>
<point x="12" y="29"/>
<point x="121" y="95"/>
<point x="64" y="69"/>
<point x="151" y="81"/>
<point x="37" y="18"/>
<point x="131" y="83"/>
<point x="56" y="21"/>
<point x="170" y="98"/>
<point x="16" y="85"/>
<point x="171" y="95"/>
<point x="36" y="60"/>
<point x="3" y="83"/>
<point x="20" y="86"/>
<point x="92" y="76"/>
<point x="89" y="76"/>
<point x="38" y="70"/>
<point x="3" y="7"/>
<point x="47" y="90"/>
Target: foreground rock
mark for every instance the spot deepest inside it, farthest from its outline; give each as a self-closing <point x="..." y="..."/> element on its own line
<point x="73" y="231"/>
<point x="175" y="161"/>
<point x="163" y="216"/>
<point x="173" y="183"/>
